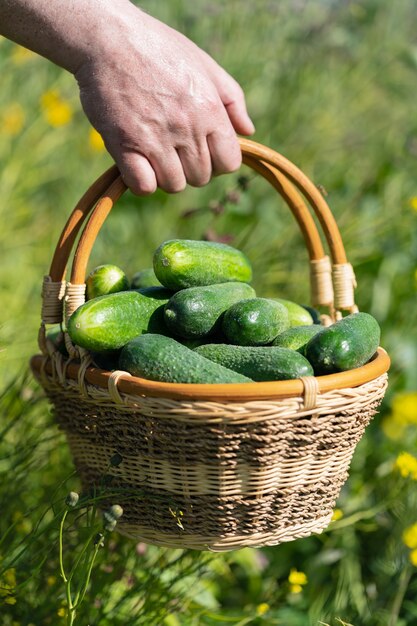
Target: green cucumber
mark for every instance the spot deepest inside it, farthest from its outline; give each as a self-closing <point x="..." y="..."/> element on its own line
<point x="200" y="341"/>
<point x="347" y="344"/>
<point x="145" y="278"/>
<point x="161" y="358"/>
<point x="105" y="279"/>
<point x="156" y="322"/>
<point x="297" y="337"/>
<point x="183" y="263"/>
<point x="196" y="312"/>
<point x="108" y="322"/>
<point x="254" y="322"/>
<point x="298" y="315"/>
<point x="261" y="363"/>
<point x="106" y="360"/>
<point x="315" y="314"/>
<point x="56" y="336"/>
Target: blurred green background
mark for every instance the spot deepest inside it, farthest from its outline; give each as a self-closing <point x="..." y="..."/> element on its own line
<point x="331" y="85"/>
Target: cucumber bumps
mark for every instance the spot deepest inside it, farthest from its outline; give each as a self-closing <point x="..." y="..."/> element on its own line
<point x="196" y="312"/>
<point x="298" y="315"/>
<point x="297" y="337"/>
<point x="109" y="322"/>
<point x="161" y="358"/>
<point x="106" y="279"/>
<point x="259" y="363"/>
<point x="254" y="322"/>
<point x="347" y="344"/>
<point x="183" y="263"/>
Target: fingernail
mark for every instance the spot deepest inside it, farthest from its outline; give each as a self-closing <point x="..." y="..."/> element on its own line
<point x="251" y="126"/>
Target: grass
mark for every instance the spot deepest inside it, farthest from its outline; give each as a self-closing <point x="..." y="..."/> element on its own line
<point x="329" y="84"/>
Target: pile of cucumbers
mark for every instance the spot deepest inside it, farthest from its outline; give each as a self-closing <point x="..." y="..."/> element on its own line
<point x="194" y="318"/>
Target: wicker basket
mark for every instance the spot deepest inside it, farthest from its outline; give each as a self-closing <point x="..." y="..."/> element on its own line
<point x="212" y="467"/>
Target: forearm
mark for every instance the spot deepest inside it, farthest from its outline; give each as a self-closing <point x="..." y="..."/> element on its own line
<point x="167" y="112"/>
<point x="67" y="32"/>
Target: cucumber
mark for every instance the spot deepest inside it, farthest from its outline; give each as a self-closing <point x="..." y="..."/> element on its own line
<point x="201" y="341"/>
<point x="196" y="312"/>
<point x="347" y="344"/>
<point x="261" y="363"/>
<point x="156" y="322"/>
<point x="315" y="314"/>
<point x="183" y="263"/>
<point x="105" y="279"/>
<point x="108" y="322"/>
<point x="161" y="358"/>
<point x="106" y="360"/>
<point x="254" y="322"/>
<point x="297" y="337"/>
<point x="145" y="278"/>
<point x="56" y="336"/>
<point x="298" y="315"/>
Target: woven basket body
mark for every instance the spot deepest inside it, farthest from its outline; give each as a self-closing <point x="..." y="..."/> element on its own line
<point x="211" y="466"/>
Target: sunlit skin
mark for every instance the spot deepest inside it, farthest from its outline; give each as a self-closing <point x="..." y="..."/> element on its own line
<point x="168" y="113"/>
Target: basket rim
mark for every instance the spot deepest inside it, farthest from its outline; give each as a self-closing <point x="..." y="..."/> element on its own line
<point x="233" y="392"/>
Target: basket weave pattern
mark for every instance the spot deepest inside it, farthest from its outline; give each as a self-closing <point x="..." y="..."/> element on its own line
<point x="260" y="470"/>
<point x="203" y="466"/>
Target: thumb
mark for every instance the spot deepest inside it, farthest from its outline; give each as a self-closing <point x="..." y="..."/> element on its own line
<point x="232" y="96"/>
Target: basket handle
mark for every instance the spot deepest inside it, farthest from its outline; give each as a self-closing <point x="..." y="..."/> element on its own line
<point x="273" y="166"/>
<point x="344" y="281"/>
<point x="278" y="170"/>
<point x="321" y="282"/>
<point x="53" y="288"/>
<point x="75" y="221"/>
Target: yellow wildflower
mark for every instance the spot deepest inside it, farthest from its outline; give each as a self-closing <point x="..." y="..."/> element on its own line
<point x="49" y="98"/>
<point x="262" y="608"/>
<point x="337" y="514"/>
<point x="404" y="407"/>
<point x="12" y="119"/>
<point x="20" y="54"/>
<point x="51" y="580"/>
<point x="59" y="115"/>
<point x="392" y="428"/>
<point x="406" y="464"/>
<point x="297" y="580"/>
<point x="56" y="110"/>
<point x="95" y="140"/>
<point x="296" y="577"/>
<point x="410" y="536"/>
<point x="62" y="612"/>
<point x="413" y="557"/>
<point x="413" y="203"/>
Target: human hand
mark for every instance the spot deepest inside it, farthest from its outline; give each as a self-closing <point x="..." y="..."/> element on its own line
<point x="168" y="113"/>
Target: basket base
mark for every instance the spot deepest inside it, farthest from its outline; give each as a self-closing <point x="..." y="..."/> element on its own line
<point x="218" y="544"/>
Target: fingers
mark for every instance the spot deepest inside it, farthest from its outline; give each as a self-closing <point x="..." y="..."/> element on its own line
<point x="174" y="154"/>
<point x="232" y="96"/>
<point x="239" y="117"/>
<point x="143" y="175"/>
<point x="219" y="153"/>
<point x="196" y="163"/>
<point x="137" y="173"/>
<point x="168" y="170"/>
<point x="225" y="152"/>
